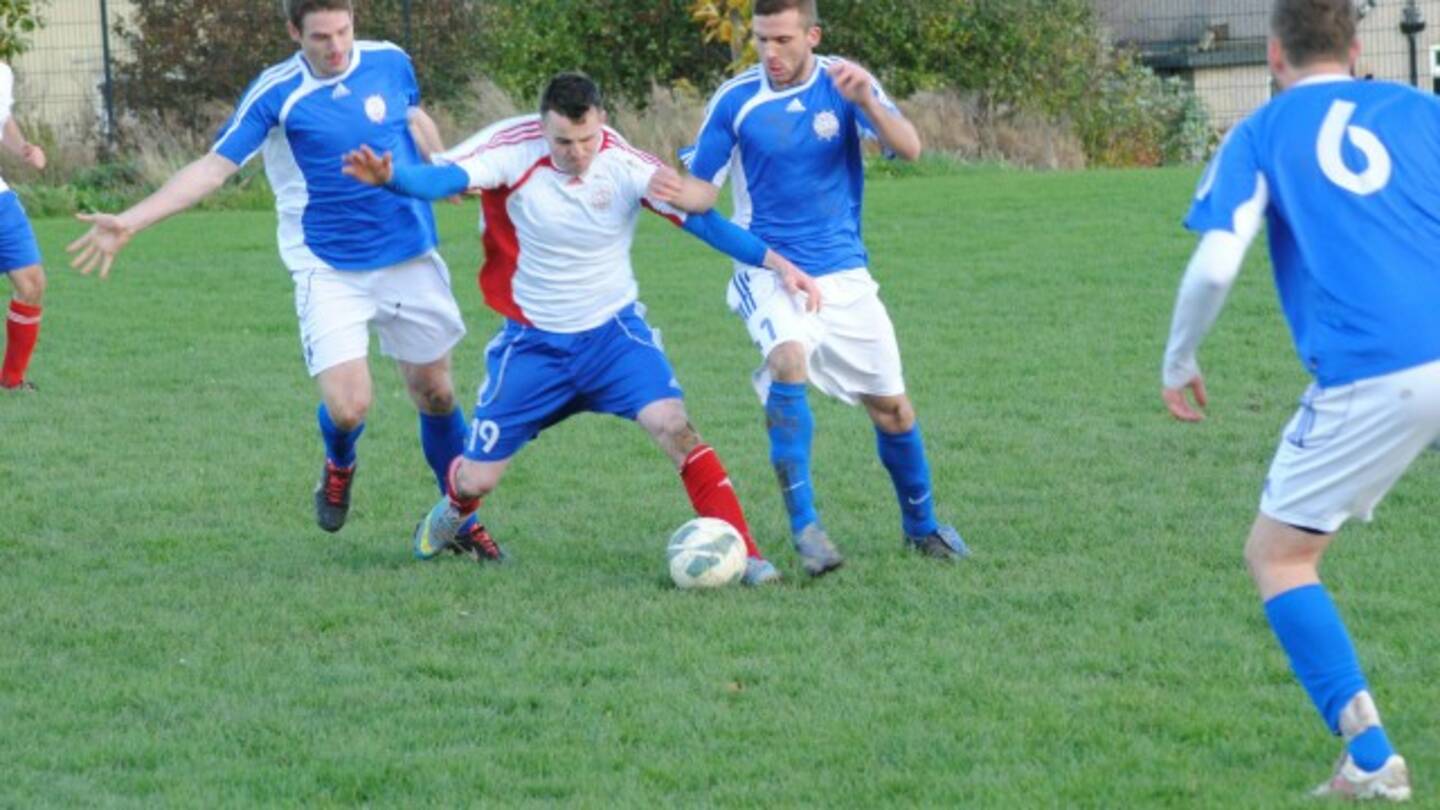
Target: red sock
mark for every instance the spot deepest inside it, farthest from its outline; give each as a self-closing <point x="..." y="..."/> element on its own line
<point x="708" y="486"/>
<point x="465" y="506"/>
<point x="22" y="327"/>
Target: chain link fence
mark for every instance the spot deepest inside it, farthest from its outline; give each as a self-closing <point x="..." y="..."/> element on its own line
<point x="1217" y="47"/>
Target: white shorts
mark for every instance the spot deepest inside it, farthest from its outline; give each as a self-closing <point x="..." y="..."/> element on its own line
<point x="1348" y="445"/>
<point x="410" y="305"/>
<point x="850" y="343"/>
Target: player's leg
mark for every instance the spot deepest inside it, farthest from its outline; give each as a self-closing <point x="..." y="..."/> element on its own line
<point x="22" y="324"/>
<point x="345" y="395"/>
<point x="527" y="388"/>
<point x="1284" y="562"/>
<point x="902" y="451"/>
<point x="419" y="324"/>
<point x="626" y="373"/>
<point x="334" y="310"/>
<point x="707" y="483"/>
<point x="20" y="260"/>
<point x="442" y="425"/>
<point x="1343" y="450"/>
<point x="785" y="333"/>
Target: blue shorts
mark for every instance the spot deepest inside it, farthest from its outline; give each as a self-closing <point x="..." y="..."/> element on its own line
<point x="536" y="379"/>
<point x="17" y="241"/>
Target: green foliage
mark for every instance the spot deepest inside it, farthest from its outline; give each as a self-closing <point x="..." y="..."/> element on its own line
<point x="1139" y="119"/>
<point x="18" y="20"/>
<point x="627" y="46"/>
<point x="115" y="186"/>
<point x="1048" y="56"/>
<point x="190" y="60"/>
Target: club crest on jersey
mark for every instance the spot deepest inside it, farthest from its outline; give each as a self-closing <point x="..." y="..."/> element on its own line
<point x="826" y="125"/>
<point x="601" y="197"/>
<point x="375" y="108"/>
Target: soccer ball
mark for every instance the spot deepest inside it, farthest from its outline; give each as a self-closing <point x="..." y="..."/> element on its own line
<point x="706" y="553"/>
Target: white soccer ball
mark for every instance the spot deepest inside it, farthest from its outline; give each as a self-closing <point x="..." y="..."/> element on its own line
<point x="706" y="553"/>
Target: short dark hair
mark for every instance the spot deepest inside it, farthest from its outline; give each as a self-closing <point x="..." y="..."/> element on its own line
<point x="1313" y="30"/>
<point x="295" y="10"/>
<point x="572" y="94"/>
<point x="807" y="9"/>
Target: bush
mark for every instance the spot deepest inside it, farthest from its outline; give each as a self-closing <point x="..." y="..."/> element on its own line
<point x="190" y="60"/>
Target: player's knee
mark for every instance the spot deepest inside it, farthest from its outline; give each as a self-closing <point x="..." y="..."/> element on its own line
<point x="891" y="414"/>
<point x="29" y="285"/>
<point x="474" y="480"/>
<point x="348" y="411"/>
<point x="787" y="362"/>
<point x="437" y="401"/>
<point x="683" y="437"/>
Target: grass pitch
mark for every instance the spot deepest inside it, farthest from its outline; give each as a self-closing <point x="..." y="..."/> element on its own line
<point x="178" y="633"/>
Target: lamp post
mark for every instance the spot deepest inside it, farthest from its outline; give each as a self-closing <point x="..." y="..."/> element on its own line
<point x="1411" y="24"/>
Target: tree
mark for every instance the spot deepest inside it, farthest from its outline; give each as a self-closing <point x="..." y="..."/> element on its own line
<point x="727" y="21"/>
<point x="18" y="20"/>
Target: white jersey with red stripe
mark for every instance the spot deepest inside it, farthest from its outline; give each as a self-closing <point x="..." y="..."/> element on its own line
<point x="557" y="246"/>
<point x="7" y="103"/>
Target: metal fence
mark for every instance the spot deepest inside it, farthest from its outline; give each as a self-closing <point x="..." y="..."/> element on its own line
<point x="1217" y="47"/>
<point x="73" y="77"/>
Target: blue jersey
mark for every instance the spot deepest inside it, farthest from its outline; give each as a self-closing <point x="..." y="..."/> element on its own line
<point x="1347" y="174"/>
<point x="305" y="124"/>
<point x="794" y="157"/>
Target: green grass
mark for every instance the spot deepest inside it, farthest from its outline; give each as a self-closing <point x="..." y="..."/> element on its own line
<point x="178" y="633"/>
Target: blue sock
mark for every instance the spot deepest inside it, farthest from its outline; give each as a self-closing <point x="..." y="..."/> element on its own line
<point x="903" y="454"/>
<point x="1371" y="749"/>
<point x="1321" y="655"/>
<point x="788" y="420"/>
<point x="339" y="444"/>
<point x="442" y="438"/>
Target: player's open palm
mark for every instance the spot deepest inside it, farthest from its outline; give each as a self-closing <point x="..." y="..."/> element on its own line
<point x="853" y="81"/>
<point x="98" y="246"/>
<point x="369" y="168"/>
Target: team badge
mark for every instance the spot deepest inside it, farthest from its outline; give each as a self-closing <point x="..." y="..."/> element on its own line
<point x="601" y="197"/>
<point x="827" y="126"/>
<point x="375" y="108"/>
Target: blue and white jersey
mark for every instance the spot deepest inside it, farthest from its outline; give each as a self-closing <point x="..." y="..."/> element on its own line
<point x="305" y="124"/>
<point x="795" y="159"/>
<point x="1347" y="174"/>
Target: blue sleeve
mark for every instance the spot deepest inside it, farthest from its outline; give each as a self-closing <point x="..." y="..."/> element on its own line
<point x="710" y="156"/>
<point x="258" y="112"/>
<point x="1233" y="178"/>
<point x="727" y="237"/>
<point x="428" y="182"/>
<point x="412" y="84"/>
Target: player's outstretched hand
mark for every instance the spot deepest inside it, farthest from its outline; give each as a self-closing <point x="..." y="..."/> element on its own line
<point x="367" y="167"/>
<point x="853" y="81"/>
<point x="1179" y="405"/>
<point x="34" y="155"/>
<point x="98" y="246"/>
<point x="796" y="281"/>
<point x="665" y="185"/>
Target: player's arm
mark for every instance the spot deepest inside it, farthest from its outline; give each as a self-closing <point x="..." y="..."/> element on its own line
<point x="423" y="181"/>
<point x="746" y="248"/>
<point x="425" y="132"/>
<point x="894" y="130"/>
<point x="14" y="141"/>
<point x="683" y="192"/>
<point x="110" y="232"/>
<point x="1207" y="282"/>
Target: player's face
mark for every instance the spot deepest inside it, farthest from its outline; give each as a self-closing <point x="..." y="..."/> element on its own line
<point x="785" y="43"/>
<point x="327" y="38"/>
<point x="573" y="144"/>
